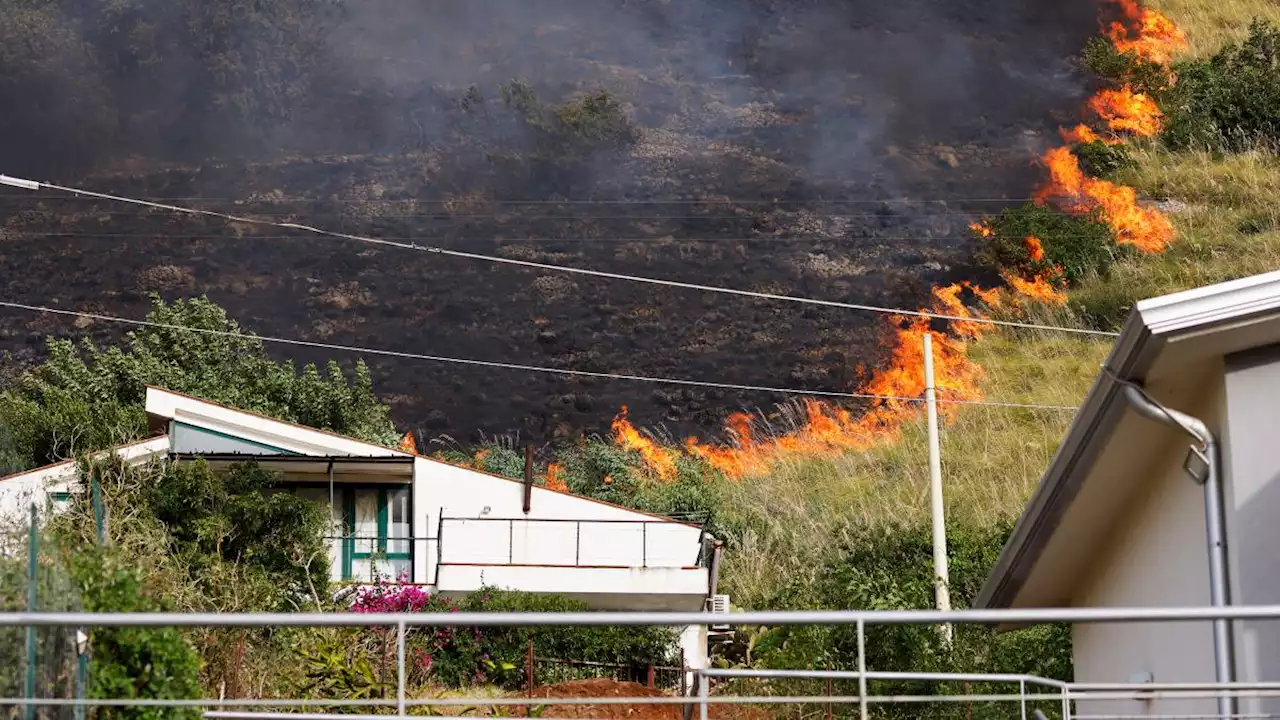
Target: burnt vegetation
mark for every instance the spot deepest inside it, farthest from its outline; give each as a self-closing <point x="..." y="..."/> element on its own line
<point x="832" y="149"/>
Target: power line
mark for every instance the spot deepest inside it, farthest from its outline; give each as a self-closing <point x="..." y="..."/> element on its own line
<point x="34" y="185"/>
<point x="540" y="238"/>
<point x="515" y="366"/>
<point x="670" y="201"/>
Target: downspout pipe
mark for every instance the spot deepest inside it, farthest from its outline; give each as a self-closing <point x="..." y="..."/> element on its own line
<point x="1206" y="446"/>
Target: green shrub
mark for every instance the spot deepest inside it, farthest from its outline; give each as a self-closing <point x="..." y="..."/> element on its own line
<point x="1100" y="160"/>
<point x="234" y="516"/>
<point x="1081" y="245"/>
<point x="132" y="662"/>
<point x="1102" y="59"/>
<point x="1231" y="101"/>
<point x="891" y="568"/>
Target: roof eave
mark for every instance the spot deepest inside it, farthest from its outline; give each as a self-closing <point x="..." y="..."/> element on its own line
<point x="1097" y="416"/>
<point x="1150" y="326"/>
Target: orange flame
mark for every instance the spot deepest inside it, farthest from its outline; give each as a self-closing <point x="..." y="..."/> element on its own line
<point x="982" y="230"/>
<point x="1035" y="249"/>
<point x="1038" y="289"/>
<point x="1148" y="34"/>
<point x="1125" y="110"/>
<point x="555" y="478"/>
<point x="1144" y="228"/>
<point x="898" y="387"/>
<point x="658" y="459"/>
<point x="1084" y="134"/>
<point x="408" y="443"/>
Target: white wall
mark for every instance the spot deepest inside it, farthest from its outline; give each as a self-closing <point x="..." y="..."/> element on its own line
<point x="1249" y="446"/>
<point x="1156" y="557"/>
<point x="462" y="493"/>
<point x="17" y="492"/>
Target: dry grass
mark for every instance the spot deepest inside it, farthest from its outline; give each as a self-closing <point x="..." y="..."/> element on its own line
<point x="992" y="457"/>
<point x="1228" y="228"/>
<point x="1228" y="224"/>
<point x="1211" y="23"/>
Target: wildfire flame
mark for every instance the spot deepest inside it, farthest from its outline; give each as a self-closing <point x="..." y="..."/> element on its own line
<point x="1035" y="249"/>
<point x="1148" y="34"/>
<point x="1084" y="134"/>
<point x="1125" y="110"/>
<point x="555" y="478"/>
<point x="1144" y="228"/>
<point x="408" y="443"/>
<point x="659" y="459"/>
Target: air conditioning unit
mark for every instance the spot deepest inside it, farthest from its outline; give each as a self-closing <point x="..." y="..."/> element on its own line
<point x="720" y="606"/>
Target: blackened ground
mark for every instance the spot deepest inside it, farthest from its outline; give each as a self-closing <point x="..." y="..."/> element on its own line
<point x="835" y="150"/>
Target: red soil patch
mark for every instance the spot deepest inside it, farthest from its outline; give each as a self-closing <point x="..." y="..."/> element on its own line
<point x="612" y="688"/>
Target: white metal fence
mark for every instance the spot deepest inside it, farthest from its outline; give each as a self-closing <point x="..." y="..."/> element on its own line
<point x="1033" y="693"/>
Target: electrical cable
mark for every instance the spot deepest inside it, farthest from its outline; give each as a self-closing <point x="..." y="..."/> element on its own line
<point x="513" y="366"/>
<point x="34" y="185"/>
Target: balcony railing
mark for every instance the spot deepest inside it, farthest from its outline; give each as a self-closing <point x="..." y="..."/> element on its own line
<point x="569" y="543"/>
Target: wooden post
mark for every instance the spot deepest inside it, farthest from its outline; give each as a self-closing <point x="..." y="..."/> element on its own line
<point x="528" y="478"/>
<point x="651" y="679"/>
<point x="830" y="710"/>
<point x="528" y="667"/>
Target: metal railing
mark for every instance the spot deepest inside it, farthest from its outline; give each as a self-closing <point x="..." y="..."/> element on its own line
<point x="533" y="555"/>
<point x="1032" y="691"/>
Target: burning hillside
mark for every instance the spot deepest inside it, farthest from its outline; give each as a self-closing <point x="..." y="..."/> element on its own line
<point x="830" y="429"/>
<point x="773" y="145"/>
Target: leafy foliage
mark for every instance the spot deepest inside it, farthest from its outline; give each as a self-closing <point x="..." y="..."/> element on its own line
<point x="1230" y="101"/>
<point x="1079" y="244"/>
<point x="592" y="123"/>
<point x="132" y="662"/>
<point x="890" y="568"/>
<point x="1102" y="59"/>
<point x="459" y="656"/>
<point x="85" y="398"/>
<point x="1101" y="160"/>
<point x="234" y="517"/>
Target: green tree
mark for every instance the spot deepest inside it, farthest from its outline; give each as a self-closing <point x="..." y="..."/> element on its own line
<point x="85" y="398"/>
<point x="234" y="516"/>
<point x="889" y="567"/>
<point x="132" y="662"/>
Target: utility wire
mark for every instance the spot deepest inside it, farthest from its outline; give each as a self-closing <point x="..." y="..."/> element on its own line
<point x="543" y="238"/>
<point x="674" y="201"/>
<point x="512" y="366"/>
<point x="34" y="185"/>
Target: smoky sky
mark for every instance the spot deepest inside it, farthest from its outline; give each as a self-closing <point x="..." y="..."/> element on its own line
<point x="833" y="88"/>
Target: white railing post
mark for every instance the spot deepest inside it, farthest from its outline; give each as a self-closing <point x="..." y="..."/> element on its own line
<point x="400" y="668"/>
<point x="862" y="669"/>
<point x="1022" y="697"/>
<point x="941" y="575"/>
<point x="703" y="693"/>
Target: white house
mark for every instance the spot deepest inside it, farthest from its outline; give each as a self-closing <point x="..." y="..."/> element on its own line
<point x="451" y="529"/>
<point x="1172" y="499"/>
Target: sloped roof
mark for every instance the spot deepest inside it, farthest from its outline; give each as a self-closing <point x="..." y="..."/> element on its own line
<point x="1165" y="340"/>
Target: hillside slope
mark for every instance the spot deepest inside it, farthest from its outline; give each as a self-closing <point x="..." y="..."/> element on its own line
<point x="809" y="147"/>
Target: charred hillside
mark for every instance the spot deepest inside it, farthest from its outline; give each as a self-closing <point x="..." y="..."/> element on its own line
<point x="829" y="148"/>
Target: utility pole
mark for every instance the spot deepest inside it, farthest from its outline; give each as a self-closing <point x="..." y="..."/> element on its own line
<point x="941" y="580"/>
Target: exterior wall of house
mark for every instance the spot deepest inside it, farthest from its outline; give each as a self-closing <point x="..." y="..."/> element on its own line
<point x="582" y="543"/>
<point x="47" y="486"/>
<point x="1249" y="453"/>
<point x="1156" y="557"/>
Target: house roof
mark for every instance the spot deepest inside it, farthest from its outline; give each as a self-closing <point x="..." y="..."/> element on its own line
<point x="138" y="451"/>
<point x="170" y="405"/>
<point x="1164" y="342"/>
